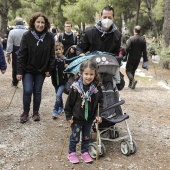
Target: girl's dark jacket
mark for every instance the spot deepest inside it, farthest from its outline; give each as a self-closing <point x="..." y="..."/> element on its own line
<point x="73" y="105"/>
<point x="59" y="69"/>
<point x="33" y="58"/>
<point x="92" y="40"/>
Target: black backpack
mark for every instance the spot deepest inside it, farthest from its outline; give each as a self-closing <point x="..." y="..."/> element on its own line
<point x="62" y="35"/>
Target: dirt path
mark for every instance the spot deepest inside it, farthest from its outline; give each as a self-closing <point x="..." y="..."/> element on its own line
<point x="37" y="145"/>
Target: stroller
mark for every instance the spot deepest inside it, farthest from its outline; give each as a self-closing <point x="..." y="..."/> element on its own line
<point x="112" y="113"/>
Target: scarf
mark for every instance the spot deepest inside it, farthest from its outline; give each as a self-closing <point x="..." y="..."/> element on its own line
<point x="19" y="27"/>
<point x="41" y="38"/>
<point x="85" y="96"/>
<point x="99" y="27"/>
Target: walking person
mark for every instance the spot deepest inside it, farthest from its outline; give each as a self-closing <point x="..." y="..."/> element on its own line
<point x="103" y="37"/>
<point x="4" y="42"/>
<point x="67" y="38"/>
<point x="35" y="62"/>
<point x="3" y="65"/>
<point x="82" y="104"/>
<point x="135" y="49"/>
<point x="13" y="44"/>
<point x="59" y="78"/>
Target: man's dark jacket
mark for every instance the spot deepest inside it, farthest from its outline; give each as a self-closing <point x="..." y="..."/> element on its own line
<point x="92" y="40"/>
<point x="136" y="48"/>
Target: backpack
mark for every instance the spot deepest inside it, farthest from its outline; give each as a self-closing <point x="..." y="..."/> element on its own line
<point x="62" y="35"/>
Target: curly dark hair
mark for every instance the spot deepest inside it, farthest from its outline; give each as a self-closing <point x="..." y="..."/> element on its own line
<point x="89" y="64"/>
<point x="33" y="19"/>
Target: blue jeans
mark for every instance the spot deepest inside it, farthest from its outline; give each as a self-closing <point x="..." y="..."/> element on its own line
<point x="75" y="136"/>
<point x="59" y="100"/>
<point x="32" y="84"/>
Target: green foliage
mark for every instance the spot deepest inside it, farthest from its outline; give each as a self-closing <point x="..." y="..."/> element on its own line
<point x="80" y="11"/>
<point x="158" y="10"/>
<point x="157" y="47"/>
<point x="164" y="54"/>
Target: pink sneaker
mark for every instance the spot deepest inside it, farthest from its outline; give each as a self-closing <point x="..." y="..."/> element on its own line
<point x="73" y="158"/>
<point x="86" y="157"/>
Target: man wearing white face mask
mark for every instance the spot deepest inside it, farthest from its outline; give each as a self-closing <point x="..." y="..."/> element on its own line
<point x="103" y="37"/>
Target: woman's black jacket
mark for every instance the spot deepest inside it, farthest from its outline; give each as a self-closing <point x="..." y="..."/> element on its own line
<point x="33" y="58"/>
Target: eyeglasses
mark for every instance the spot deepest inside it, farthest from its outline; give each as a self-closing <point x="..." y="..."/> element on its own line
<point x="68" y="26"/>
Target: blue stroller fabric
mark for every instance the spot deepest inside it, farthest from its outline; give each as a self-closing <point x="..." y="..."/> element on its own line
<point x="76" y="61"/>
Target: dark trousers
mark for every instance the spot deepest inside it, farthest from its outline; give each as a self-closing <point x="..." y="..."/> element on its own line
<point x="14" y="65"/>
<point x="75" y="136"/>
<point x="32" y="84"/>
<point x="131" y="67"/>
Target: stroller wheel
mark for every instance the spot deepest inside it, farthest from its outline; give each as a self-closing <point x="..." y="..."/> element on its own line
<point x="103" y="149"/>
<point x="134" y="149"/>
<point x="93" y="150"/>
<point x="125" y="147"/>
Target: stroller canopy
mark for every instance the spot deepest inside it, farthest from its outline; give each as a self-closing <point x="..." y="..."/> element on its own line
<point x="106" y="61"/>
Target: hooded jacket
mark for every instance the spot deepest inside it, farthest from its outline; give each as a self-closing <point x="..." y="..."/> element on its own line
<point x="95" y="39"/>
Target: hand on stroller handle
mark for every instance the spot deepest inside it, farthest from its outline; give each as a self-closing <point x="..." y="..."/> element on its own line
<point x="98" y="119"/>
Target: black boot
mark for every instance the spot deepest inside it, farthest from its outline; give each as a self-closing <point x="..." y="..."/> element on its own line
<point x="134" y="82"/>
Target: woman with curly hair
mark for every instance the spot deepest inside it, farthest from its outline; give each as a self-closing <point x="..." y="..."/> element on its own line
<point x="35" y="62"/>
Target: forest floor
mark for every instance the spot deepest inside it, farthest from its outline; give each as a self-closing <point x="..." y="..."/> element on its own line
<point x="37" y="145"/>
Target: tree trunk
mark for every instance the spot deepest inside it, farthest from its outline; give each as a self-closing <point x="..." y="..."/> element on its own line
<point x="137" y="11"/>
<point x="166" y="25"/>
<point x="154" y="27"/>
<point x="4" y="22"/>
<point x="83" y="26"/>
<point x="4" y="18"/>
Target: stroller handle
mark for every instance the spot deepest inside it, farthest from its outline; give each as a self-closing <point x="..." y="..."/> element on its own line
<point x="114" y="105"/>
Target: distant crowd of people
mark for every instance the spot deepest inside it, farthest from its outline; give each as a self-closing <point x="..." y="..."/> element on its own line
<point x="38" y="53"/>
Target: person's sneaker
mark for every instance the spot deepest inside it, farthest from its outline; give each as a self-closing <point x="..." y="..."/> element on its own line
<point x="36" y="116"/>
<point x="55" y="114"/>
<point x="133" y="84"/>
<point x="73" y="158"/>
<point x="60" y="110"/>
<point x="86" y="157"/>
<point x="24" y="117"/>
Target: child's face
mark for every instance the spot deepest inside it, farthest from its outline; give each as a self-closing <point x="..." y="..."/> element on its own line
<point x="88" y="76"/>
<point x="59" y="51"/>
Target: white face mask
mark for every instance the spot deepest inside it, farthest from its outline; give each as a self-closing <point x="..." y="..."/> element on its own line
<point x="106" y="23"/>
